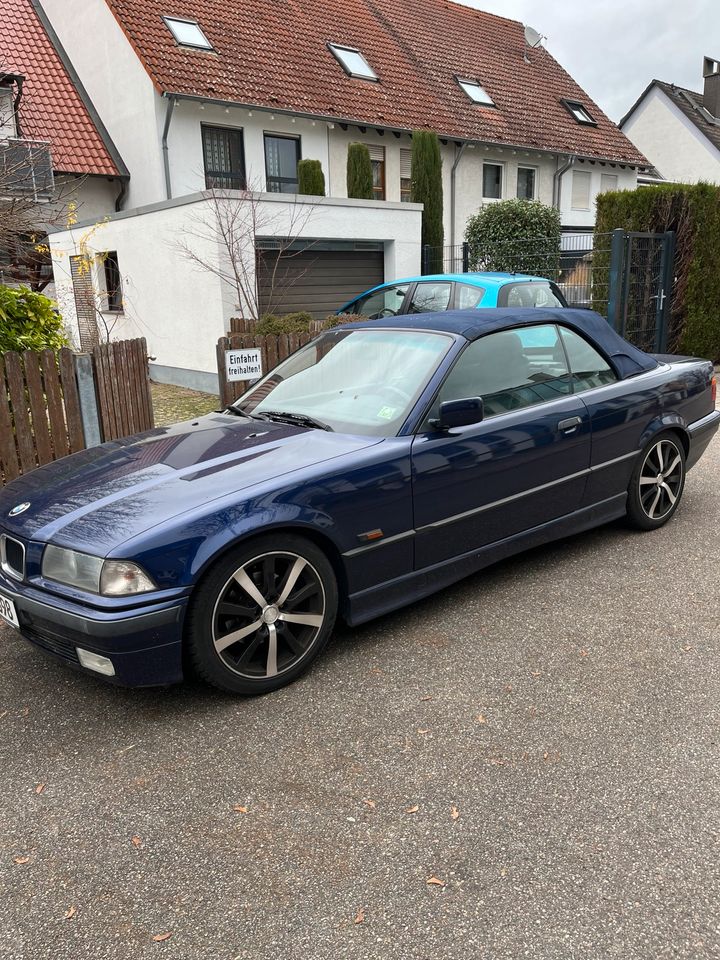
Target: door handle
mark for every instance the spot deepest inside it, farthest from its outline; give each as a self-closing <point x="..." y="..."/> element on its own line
<point x="570" y="425"/>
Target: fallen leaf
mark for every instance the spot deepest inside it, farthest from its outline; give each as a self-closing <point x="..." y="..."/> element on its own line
<point x="423" y="732"/>
<point x="481" y="718"/>
<point x="136" y="841"/>
<point x="454" y="813"/>
<point x="40" y="787"/>
<point x="503" y="872"/>
<point x="159" y="937"/>
<point x="369" y="803"/>
<point x="412" y="809"/>
<point x="360" y="916"/>
<point x="433" y="881"/>
<point x="20" y="860"/>
<point x="3" y="714"/>
<point x="238" y="809"/>
<point x="545" y="755"/>
<point x="509" y="688"/>
<point x="69" y="914"/>
<point x="536" y="673"/>
<point x="425" y="699"/>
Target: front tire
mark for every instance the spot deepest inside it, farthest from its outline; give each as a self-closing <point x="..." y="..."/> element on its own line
<point x="657" y="483"/>
<point x="262" y="614"/>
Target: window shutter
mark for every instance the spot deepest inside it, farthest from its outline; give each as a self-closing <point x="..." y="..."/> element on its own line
<point x="580" y="190"/>
<point x="405" y="164"/>
<point x="376" y="153"/>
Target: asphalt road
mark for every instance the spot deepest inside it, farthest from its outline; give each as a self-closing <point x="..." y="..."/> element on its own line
<point x="552" y="723"/>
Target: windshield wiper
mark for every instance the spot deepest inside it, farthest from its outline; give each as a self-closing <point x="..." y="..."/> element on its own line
<point x="237" y="412"/>
<point x="301" y="419"/>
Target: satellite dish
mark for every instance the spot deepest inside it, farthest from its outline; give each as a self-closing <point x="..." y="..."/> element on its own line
<point x="532" y="37"/>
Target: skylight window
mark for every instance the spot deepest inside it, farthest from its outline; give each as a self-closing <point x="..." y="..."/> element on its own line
<point x="352" y="62"/>
<point x="579" y="112"/>
<point x="476" y="93"/>
<point x="188" y="33"/>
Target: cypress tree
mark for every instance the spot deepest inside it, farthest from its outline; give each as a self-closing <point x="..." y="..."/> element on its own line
<point x="359" y="172"/>
<point x="311" y="179"/>
<point x="426" y="188"/>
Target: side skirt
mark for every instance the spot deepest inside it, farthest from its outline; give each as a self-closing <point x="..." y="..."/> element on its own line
<point x="376" y="601"/>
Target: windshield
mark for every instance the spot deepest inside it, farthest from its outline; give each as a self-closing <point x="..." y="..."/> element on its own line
<point x="353" y="381"/>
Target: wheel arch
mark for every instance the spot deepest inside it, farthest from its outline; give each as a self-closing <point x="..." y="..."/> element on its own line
<point x="667" y="423"/>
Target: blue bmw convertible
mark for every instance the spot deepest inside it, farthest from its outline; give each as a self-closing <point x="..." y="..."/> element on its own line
<point x="381" y="462"/>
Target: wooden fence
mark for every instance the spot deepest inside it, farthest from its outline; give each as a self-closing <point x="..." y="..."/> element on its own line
<point x="42" y="411"/>
<point x="273" y="349"/>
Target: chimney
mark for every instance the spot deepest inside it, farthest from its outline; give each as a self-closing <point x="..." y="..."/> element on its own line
<point x="711" y="91"/>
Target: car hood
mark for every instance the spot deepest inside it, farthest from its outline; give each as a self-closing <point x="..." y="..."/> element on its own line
<point x="101" y="497"/>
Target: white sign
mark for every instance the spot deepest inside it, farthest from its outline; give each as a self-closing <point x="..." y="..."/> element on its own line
<point x="244" y="363"/>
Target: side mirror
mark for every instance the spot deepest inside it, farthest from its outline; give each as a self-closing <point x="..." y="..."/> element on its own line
<point x="459" y="413"/>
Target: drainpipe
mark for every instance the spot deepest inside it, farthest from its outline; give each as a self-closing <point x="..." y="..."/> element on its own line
<point x="16" y="106"/>
<point x="166" y="157"/>
<point x="557" y="186"/>
<point x="460" y="152"/>
<point x="122" y="194"/>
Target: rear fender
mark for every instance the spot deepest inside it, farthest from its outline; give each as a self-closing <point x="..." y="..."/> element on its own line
<point x="666" y="421"/>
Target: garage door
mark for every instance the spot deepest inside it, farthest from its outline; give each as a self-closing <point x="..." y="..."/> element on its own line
<point x="319" y="281"/>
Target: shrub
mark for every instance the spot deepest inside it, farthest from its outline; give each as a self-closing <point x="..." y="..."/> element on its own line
<point x="29" y="321"/>
<point x="692" y="211"/>
<point x="518" y="236"/>
<point x="359" y="172"/>
<point x="311" y="179"/>
<point x="270" y="325"/>
<point x="337" y="319"/>
<point x="426" y="188"/>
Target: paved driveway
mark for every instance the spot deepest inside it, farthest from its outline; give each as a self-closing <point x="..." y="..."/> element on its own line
<point x="524" y="766"/>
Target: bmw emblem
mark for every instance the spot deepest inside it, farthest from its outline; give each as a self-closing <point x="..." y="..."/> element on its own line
<point x="20" y="508"/>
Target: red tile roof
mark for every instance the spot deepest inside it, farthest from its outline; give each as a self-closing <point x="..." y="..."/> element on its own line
<point x="273" y="53"/>
<point x="52" y="108"/>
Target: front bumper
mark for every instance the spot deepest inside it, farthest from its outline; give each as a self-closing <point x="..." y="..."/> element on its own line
<point x="144" y="645"/>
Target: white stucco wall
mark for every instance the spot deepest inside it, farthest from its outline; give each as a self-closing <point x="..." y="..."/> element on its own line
<point x="672" y="142"/>
<point x="182" y="309"/>
<point x="120" y="89"/>
<point x="585" y="219"/>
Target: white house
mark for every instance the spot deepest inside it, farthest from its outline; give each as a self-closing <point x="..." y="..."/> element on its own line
<point x="218" y="96"/>
<point x="677" y="129"/>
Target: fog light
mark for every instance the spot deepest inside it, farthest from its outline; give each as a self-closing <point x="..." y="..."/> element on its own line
<point x="93" y="661"/>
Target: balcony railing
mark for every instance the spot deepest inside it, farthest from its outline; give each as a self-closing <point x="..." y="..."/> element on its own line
<point x="26" y="169"/>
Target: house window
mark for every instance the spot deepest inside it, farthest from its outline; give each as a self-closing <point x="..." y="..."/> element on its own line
<point x="113" y="283"/>
<point x="405" y="176"/>
<point x="282" y="155"/>
<point x="608" y="181"/>
<point x="188" y="33"/>
<point x="7" y="113"/>
<point x="352" y="62"/>
<point x="580" y="190"/>
<point x="492" y="181"/>
<point x="224" y="158"/>
<point x="475" y="92"/>
<point x="577" y="110"/>
<point x="526" y="183"/>
<point x="377" y="161"/>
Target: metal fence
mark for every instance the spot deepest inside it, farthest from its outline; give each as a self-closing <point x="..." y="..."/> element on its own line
<point x="625" y="276"/>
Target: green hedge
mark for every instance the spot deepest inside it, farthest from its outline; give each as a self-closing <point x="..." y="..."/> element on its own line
<point x="311" y="179"/>
<point x="693" y="212"/>
<point x="29" y="321"/>
<point x="518" y="236"/>
<point x="288" y="323"/>
<point x="359" y="172"/>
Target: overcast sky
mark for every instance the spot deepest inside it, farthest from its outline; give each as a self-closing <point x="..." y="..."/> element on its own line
<point x="614" y="48"/>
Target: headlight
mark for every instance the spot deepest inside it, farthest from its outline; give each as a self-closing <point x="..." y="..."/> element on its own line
<point x="111" y="578"/>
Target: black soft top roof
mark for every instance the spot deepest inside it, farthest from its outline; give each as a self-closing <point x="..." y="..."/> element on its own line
<point x="472" y="324"/>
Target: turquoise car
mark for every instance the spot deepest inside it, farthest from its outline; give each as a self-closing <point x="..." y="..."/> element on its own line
<point x="455" y="291"/>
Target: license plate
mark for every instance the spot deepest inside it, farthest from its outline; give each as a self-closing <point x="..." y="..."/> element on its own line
<point x="8" y="612"/>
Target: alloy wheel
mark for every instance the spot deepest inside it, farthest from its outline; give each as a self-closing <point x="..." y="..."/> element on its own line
<point x="661" y="478"/>
<point x="268" y="615"/>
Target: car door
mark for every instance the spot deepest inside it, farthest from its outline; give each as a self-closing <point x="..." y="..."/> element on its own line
<point x="525" y="464"/>
<point x="386" y="301"/>
<point x="429" y="296"/>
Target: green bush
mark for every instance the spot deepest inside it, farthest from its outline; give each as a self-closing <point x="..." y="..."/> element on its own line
<point x="270" y="325"/>
<point x="311" y="179"/>
<point x="426" y="188"/>
<point x="359" y="172"/>
<point x="337" y="319"/>
<point x="29" y="321"/>
<point x="692" y="211"/>
<point x="518" y="236"/>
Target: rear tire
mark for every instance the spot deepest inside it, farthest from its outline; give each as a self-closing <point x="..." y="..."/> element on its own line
<point x="262" y="614"/>
<point x="657" y="483"/>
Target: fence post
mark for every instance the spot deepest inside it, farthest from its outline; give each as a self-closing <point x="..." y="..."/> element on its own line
<point x="664" y="300"/>
<point x="615" y="278"/>
<point x="465" y="257"/>
<point x="85" y="379"/>
<point x="425" y="267"/>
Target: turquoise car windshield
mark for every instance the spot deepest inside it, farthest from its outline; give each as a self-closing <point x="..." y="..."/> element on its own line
<point x="353" y="381"/>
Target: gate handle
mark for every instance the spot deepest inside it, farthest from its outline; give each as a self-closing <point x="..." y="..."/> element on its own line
<point x="570" y="425"/>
